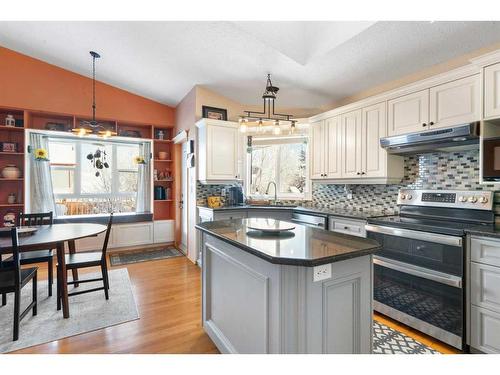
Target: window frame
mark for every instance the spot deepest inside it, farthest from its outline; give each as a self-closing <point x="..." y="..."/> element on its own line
<point x="276" y="140"/>
<point x="115" y="141"/>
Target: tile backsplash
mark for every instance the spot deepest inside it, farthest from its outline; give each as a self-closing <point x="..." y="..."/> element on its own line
<point x="438" y="171"/>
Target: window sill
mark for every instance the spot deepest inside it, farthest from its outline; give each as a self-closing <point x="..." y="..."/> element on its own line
<point x="103" y="218"/>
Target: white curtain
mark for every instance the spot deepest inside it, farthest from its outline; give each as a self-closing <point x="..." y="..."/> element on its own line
<point x="144" y="180"/>
<point x="42" y="193"/>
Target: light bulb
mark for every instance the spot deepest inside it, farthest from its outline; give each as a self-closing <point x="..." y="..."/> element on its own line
<point x="259" y="129"/>
<point x="292" y="127"/>
<point x="277" y="129"/>
<point x="243" y="127"/>
<point x="82" y="132"/>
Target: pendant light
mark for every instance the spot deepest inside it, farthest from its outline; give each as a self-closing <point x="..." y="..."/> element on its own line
<point x="93" y="126"/>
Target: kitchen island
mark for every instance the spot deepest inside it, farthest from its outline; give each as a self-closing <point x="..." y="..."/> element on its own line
<point x="303" y="291"/>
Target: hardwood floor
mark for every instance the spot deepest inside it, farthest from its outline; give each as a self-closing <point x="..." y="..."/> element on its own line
<point x="168" y="296"/>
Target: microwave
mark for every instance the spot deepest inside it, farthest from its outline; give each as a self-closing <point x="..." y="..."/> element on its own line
<point x="491" y="159"/>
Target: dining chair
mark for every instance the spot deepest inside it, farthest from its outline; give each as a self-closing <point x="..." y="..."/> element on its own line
<point x="85" y="260"/>
<point x="13" y="278"/>
<point x="39" y="256"/>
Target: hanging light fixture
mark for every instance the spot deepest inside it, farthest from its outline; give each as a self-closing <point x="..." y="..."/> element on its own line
<point x="93" y="126"/>
<point x="268" y="112"/>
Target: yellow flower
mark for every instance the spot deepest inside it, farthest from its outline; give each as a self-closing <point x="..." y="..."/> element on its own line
<point x="139" y="160"/>
<point x="41" y="154"/>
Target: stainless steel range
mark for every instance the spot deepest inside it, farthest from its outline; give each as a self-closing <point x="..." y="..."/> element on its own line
<point x="420" y="271"/>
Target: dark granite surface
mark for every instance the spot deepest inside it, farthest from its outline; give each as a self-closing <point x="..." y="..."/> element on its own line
<point x="335" y="211"/>
<point x="303" y="246"/>
<point x="484" y="230"/>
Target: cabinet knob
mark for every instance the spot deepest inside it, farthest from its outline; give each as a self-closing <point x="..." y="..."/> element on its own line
<point x="363" y="173"/>
<point x="424" y="124"/>
<point x="358" y="173"/>
<point x="431" y="123"/>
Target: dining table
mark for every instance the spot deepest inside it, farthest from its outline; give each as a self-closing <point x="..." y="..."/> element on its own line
<point x="54" y="237"/>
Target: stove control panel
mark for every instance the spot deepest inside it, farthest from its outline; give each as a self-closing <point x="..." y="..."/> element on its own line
<point x="470" y="199"/>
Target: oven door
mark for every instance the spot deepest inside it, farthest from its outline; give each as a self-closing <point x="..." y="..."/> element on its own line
<point x="427" y="301"/>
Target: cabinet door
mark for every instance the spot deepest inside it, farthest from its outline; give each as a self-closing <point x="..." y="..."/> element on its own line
<point x="408" y="113"/>
<point x="222" y="152"/>
<point x="351" y="144"/>
<point x="374" y="127"/>
<point x="485" y="330"/>
<point x="485" y="286"/>
<point x="333" y="150"/>
<point x="317" y="149"/>
<point x="492" y="91"/>
<point x="455" y="102"/>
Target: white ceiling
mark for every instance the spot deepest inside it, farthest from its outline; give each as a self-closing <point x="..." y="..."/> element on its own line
<point x="313" y="63"/>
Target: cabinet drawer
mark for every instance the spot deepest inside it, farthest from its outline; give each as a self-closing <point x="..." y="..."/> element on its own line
<point x="354" y="228"/>
<point x="230" y="215"/>
<point x="485" y="251"/>
<point x="485" y="286"/>
<point x="485" y="330"/>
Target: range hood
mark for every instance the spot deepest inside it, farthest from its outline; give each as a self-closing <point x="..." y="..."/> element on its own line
<point x="461" y="137"/>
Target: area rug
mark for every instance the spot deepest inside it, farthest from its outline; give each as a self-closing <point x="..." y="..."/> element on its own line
<point x="128" y="257"/>
<point x="390" y="341"/>
<point x="88" y="312"/>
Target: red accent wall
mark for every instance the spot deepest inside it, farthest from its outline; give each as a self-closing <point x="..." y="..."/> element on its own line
<point x="32" y="84"/>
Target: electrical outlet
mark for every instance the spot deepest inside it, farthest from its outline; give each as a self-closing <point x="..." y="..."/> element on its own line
<point x="349" y="196"/>
<point x="322" y="272"/>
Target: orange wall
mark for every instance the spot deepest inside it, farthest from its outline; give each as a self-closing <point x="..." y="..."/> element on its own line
<point x="32" y="84"/>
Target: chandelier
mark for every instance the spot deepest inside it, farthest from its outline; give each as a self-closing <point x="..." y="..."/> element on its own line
<point x="268" y="113"/>
<point x="93" y="126"/>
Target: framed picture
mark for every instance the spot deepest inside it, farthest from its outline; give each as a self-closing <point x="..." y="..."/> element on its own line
<point x="8" y="146"/>
<point x="214" y="113"/>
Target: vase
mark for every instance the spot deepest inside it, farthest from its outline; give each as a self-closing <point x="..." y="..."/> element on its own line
<point x="11" y="171"/>
<point x="162" y="155"/>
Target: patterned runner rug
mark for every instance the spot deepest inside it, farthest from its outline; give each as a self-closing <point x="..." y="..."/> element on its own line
<point x="389" y="341"/>
<point x="128" y="257"/>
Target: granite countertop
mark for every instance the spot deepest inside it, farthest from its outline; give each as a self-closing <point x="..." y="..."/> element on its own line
<point x="303" y="246"/>
<point x="492" y="230"/>
<point x="334" y="211"/>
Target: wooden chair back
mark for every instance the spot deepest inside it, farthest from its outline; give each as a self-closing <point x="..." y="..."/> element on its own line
<point x="14" y="266"/>
<point x="37" y="219"/>
<point x="106" y="237"/>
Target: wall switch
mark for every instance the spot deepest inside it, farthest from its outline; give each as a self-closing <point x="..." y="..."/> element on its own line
<point x="322" y="272"/>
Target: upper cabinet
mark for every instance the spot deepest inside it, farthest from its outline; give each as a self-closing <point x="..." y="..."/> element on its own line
<point x="455" y="103"/>
<point x="352" y="140"/>
<point x="492" y="91"/>
<point x="452" y="103"/>
<point x="409" y="113"/>
<point x="346" y="148"/>
<point x="325" y="149"/>
<point x="218" y="151"/>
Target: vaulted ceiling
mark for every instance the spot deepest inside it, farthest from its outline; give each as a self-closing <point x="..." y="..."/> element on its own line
<point x="313" y="63"/>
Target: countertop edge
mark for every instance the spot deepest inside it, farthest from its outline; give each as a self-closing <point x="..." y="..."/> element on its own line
<point x="288" y="261"/>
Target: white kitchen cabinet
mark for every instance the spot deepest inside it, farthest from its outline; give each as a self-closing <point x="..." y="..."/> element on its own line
<point x="318" y="150"/>
<point x="163" y="231"/>
<point x="352" y="140"/>
<point x="326" y="149"/>
<point x="485" y="333"/>
<point x="484" y="289"/>
<point x="456" y="102"/>
<point x="492" y="91"/>
<point x="409" y="113"/>
<point x="347" y="226"/>
<point x="218" y="151"/>
<point x="374" y="127"/>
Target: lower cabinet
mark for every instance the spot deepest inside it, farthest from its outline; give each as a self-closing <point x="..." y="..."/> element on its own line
<point x="131" y="234"/>
<point x="271" y="214"/>
<point x="485" y="334"/>
<point x="485" y="295"/>
<point x="347" y="226"/>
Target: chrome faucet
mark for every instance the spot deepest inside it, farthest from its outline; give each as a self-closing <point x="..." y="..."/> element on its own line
<point x="275" y="191"/>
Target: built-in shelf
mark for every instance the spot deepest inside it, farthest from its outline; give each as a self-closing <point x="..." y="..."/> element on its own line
<point x="163" y="200"/>
<point x="163" y="160"/>
<point x="11" y="205"/>
<point x="163" y="140"/>
<point x="11" y="179"/>
<point x="11" y="153"/>
<point x="164" y="180"/>
<point x="11" y="128"/>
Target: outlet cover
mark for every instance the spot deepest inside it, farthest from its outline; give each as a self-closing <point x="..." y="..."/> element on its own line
<point x="322" y="272"/>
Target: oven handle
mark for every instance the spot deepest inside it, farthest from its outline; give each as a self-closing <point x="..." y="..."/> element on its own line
<point x="416" y="235"/>
<point x="425" y="273"/>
